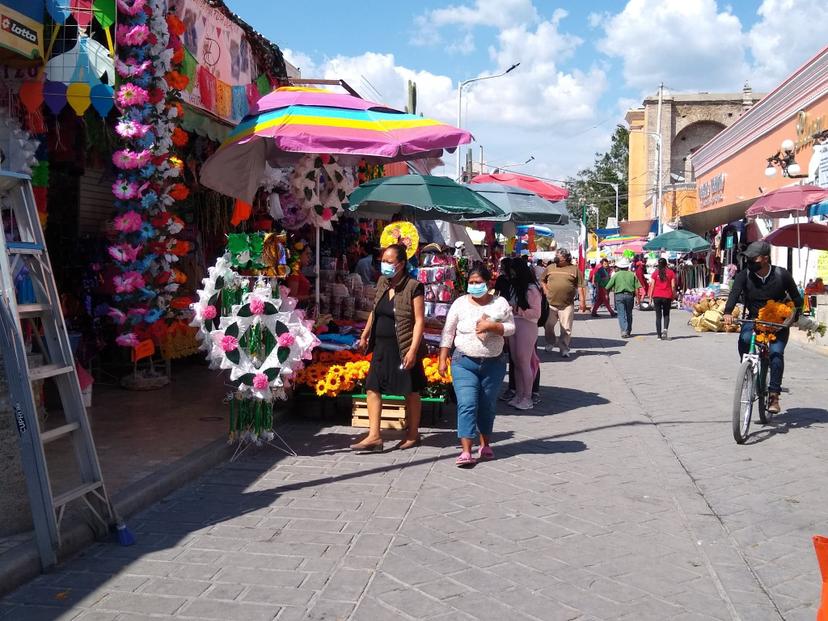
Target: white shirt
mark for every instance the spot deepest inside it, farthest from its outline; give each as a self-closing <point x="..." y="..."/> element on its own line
<point x="461" y="327"/>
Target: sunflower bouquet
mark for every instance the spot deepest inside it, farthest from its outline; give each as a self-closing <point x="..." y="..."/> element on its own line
<point x="773" y="312"/>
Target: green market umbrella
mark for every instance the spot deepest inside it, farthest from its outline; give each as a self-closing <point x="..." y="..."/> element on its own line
<point x="419" y="196"/>
<point x="678" y="241"/>
<point x="522" y="206"/>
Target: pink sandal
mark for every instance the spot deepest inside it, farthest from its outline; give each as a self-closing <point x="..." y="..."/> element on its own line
<point x="465" y="460"/>
<point x="485" y="453"/>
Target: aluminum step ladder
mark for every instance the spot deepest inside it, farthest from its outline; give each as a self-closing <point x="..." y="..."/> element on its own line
<point x="23" y="246"/>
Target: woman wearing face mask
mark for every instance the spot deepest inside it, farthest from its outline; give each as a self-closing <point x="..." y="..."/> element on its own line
<point x="394" y="333"/>
<point x="476" y="326"/>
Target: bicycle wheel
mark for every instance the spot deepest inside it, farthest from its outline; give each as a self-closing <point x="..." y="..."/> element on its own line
<point x="765" y="416"/>
<point x="743" y="402"/>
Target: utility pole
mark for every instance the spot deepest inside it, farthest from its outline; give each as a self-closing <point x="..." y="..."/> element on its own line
<point x="659" y="153"/>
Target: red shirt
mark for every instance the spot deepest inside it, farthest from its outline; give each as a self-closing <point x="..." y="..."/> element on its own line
<point x="663" y="288"/>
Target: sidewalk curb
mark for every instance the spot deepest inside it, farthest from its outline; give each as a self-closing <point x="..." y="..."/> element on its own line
<point x="22" y="563"/>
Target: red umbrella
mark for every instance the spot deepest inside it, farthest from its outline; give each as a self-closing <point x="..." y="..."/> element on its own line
<point x="541" y="188"/>
<point x="805" y="235"/>
<point x="790" y="201"/>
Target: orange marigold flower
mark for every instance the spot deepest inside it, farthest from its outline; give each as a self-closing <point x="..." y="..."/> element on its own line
<point x="180" y="138"/>
<point x="177" y="80"/>
<point x="175" y="25"/>
<point x="179" y="191"/>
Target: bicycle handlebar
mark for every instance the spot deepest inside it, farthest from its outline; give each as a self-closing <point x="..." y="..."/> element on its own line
<point x="764" y="323"/>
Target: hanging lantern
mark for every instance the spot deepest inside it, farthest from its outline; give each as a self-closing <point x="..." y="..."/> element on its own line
<point x="31" y="95"/>
<point x="54" y="94"/>
<point x="77" y="94"/>
<point x="103" y="100"/>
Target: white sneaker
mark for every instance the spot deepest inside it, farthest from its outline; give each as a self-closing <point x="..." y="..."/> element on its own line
<point x="513" y="403"/>
<point x="536" y="398"/>
<point x="549" y="349"/>
<point x="526" y="404"/>
<point x="566" y="353"/>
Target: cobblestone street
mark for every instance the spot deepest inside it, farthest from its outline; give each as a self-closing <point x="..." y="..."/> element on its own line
<point x="623" y="496"/>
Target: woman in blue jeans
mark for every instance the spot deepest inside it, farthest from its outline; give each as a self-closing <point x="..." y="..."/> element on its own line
<point x="476" y="326"/>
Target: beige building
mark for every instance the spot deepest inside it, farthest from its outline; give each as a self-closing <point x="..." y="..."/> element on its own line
<point x="688" y="120"/>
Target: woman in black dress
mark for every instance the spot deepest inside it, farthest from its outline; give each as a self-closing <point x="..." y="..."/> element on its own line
<point x="394" y="333"/>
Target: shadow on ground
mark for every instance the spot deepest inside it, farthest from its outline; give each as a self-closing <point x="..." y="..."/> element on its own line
<point x="795" y="418"/>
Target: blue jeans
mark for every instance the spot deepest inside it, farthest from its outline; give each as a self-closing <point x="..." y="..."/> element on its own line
<point x="777" y="354"/>
<point x="477" y="383"/>
<point x="624" y="307"/>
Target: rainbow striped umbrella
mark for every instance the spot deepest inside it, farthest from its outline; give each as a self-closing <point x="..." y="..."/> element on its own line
<point x="293" y="121"/>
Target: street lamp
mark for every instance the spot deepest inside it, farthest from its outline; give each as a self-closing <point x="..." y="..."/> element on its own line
<point x="497" y="167"/>
<point x="460" y="88"/>
<point x="614" y="186"/>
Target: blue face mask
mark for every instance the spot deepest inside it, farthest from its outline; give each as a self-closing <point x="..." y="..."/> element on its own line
<point x="388" y="269"/>
<point x="477" y="290"/>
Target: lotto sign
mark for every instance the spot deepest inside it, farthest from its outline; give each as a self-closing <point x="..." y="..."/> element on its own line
<point x="20" y="33"/>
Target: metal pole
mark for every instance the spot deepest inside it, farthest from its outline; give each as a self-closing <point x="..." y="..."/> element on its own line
<point x="459" y="126"/>
<point x="658" y="144"/>
<point x="615" y="187"/>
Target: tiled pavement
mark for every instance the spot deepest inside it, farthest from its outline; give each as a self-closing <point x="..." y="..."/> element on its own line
<point x="622" y="497"/>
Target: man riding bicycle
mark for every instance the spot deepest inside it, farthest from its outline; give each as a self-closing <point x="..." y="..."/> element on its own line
<point x="755" y="285"/>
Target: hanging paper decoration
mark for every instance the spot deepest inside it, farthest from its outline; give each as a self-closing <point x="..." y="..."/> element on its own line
<point x="250" y="326"/>
<point x="54" y="94"/>
<point x="103" y="99"/>
<point x="31" y="95"/>
<point x="78" y="96"/>
<point x="147" y="185"/>
<point x="403" y="233"/>
<point x="320" y="186"/>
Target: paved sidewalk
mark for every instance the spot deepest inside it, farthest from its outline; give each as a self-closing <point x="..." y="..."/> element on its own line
<point x="622" y="497"/>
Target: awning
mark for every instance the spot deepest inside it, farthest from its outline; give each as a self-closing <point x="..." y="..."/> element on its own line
<point x="708" y="219"/>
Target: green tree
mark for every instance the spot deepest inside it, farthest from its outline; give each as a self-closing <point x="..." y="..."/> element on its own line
<point x="609" y="167"/>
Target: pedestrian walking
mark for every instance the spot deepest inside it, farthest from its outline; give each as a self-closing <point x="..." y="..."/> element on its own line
<point x="526" y="308"/>
<point x="662" y="292"/>
<point x="641" y="274"/>
<point x="624" y="283"/>
<point x="477" y="326"/>
<point x="561" y="283"/>
<point x="394" y="333"/>
<point x="600" y="277"/>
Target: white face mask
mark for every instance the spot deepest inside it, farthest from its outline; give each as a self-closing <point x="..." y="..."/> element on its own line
<point x="388" y="269"/>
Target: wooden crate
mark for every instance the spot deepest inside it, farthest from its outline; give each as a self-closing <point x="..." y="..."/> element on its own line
<point x="392" y="416"/>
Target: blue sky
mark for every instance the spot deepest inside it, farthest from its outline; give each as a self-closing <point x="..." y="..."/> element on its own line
<point x="582" y="63"/>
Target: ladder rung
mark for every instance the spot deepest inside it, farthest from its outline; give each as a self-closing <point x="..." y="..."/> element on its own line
<point x="69" y="496"/>
<point x="24" y="248"/>
<point x="58" y="432"/>
<point x="47" y="371"/>
<point x="32" y="310"/>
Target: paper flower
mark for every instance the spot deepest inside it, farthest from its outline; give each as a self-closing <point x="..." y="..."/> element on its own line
<point x="179" y="191"/>
<point x="117" y="316"/>
<point x="180" y="138"/>
<point x="286" y="339"/>
<point x="229" y="343"/>
<point x="209" y="312"/>
<point x="131" y="68"/>
<point x="260" y="381"/>
<point x="133" y="35"/>
<point x="128" y="282"/>
<point x="124" y="253"/>
<point x="175" y="25"/>
<point x="132" y="129"/>
<point x="128" y="340"/>
<point x="128" y="222"/>
<point x="131" y="95"/>
<point x="257" y="306"/>
<point x="177" y="80"/>
<point x="125" y="159"/>
<point x="131" y="7"/>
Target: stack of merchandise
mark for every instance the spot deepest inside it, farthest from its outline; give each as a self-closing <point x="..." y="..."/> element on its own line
<point x="438" y="274"/>
<point x="708" y="316"/>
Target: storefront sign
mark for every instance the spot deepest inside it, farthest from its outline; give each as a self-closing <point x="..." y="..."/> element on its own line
<point x="21" y="27"/>
<point x="712" y="192"/>
<point x="807" y="127"/>
<point x="219" y="62"/>
<point x="818" y="167"/>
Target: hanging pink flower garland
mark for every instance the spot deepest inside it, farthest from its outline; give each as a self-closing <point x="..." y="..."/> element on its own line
<point x="146" y="186"/>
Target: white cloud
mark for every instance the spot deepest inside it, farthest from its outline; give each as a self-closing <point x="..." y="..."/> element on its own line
<point x="686" y="44"/>
<point x="492" y="13"/>
<point x="700" y="45"/>
<point x="531" y="111"/>
<point x="788" y="33"/>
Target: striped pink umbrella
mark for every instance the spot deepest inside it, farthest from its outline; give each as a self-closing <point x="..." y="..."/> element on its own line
<point x="293" y="121"/>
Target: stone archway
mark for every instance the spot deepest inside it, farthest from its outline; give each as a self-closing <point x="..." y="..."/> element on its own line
<point x="686" y="142"/>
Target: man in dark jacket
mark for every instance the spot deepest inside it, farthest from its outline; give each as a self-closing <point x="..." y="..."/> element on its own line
<point x="755" y="285"/>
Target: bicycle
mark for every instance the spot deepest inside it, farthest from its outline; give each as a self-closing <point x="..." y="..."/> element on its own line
<point x="752" y="384"/>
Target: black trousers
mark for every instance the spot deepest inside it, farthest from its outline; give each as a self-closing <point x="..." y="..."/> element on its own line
<point x="662" y="310"/>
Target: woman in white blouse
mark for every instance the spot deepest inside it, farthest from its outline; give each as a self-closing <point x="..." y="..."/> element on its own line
<point x="476" y="326"/>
